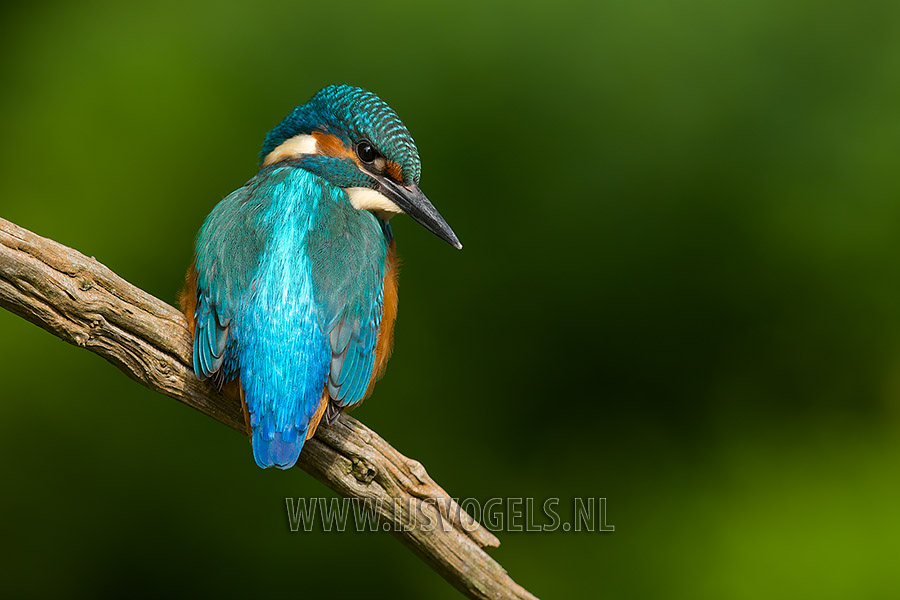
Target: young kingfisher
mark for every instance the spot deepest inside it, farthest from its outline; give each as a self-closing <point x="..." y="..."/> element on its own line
<point x="292" y="295"/>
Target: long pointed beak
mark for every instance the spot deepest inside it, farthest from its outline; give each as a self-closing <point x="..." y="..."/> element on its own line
<point x="411" y="200"/>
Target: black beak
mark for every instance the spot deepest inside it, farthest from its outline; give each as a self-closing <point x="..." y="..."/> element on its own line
<point x="410" y="199"/>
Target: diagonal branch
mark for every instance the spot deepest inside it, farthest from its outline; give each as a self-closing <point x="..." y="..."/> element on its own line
<point x="84" y="303"/>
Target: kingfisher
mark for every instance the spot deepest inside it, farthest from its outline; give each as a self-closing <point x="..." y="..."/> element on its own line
<point x="292" y="295"/>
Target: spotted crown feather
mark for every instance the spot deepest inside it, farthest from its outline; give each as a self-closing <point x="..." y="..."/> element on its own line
<point x="352" y="113"/>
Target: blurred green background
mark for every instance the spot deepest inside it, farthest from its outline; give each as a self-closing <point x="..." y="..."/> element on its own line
<point x="679" y="290"/>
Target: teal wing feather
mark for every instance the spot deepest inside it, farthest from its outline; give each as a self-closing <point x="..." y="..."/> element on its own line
<point x="229" y="247"/>
<point x="210" y="341"/>
<point x="348" y="252"/>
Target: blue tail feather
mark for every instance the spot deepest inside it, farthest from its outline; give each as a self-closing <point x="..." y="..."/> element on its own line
<point x="281" y="451"/>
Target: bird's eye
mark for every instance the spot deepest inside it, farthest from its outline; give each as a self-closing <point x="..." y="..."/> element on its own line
<point x="366" y="152"/>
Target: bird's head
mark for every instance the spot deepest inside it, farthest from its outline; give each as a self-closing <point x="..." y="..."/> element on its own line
<point x="352" y="138"/>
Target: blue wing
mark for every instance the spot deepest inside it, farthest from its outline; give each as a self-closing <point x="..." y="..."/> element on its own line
<point x="229" y="247"/>
<point x="289" y="294"/>
<point x="348" y="275"/>
<point x="352" y="343"/>
<point x="211" y="341"/>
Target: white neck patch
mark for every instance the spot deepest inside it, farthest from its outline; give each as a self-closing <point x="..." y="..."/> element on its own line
<point x="295" y="146"/>
<point x="363" y="198"/>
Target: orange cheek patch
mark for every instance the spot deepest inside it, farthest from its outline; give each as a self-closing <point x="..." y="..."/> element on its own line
<point x="393" y="169"/>
<point x="330" y="145"/>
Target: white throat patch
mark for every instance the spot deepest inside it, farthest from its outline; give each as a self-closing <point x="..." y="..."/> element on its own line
<point x="363" y="198"/>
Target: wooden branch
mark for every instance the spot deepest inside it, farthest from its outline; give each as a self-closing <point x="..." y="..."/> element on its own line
<point x="84" y="303"/>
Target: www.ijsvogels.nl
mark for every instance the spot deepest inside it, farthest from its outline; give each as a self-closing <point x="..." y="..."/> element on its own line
<point x="496" y="514"/>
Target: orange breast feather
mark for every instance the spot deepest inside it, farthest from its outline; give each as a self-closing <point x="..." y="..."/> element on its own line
<point x="187" y="297"/>
<point x="385" y="343"/>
